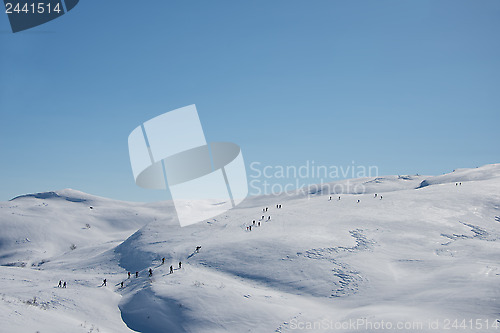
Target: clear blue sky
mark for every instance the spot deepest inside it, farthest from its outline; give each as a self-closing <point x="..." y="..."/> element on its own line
<point x="409" y="86"/>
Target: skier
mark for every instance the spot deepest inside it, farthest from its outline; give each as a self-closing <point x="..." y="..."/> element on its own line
<point x="121" y="284"/>
<point x="330" y="198"/>
<point x="262" y="217"/>
<point x="380" y="197"/>
<point x="162" y="260"/>
<point x="375" y="195"/>
<point x="358" y="200"/>
<point x="129" y="275"/>
<point x="198" y="249"/>
<point x="150" y="272"/>
<point x="103" y="283"/>
<point x="171" y="269"/>
<point x="269" y="217"/>
<point x="339" y="198"/>
<point x="136" y="274"/>
<point x="253" y="222"/>
<point x="64" y="284"/>
<point x="250" y="228"/>
<point x="180" y="265"/>
<point x="266" y="209"/>
<point x="60" y="284"/>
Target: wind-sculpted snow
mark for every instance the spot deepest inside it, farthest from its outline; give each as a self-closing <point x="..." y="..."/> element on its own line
<point x="346" y="280"/>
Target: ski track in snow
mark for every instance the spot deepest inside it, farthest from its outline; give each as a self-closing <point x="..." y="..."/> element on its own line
<point x="477" y="233"/>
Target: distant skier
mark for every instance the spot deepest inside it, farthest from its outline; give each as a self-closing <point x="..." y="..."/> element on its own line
<point x="121" y="285"/>
<point x="259" y="223"/>
<point x="129" y="275"/>
<point x="198" y="249"/>
<point x="60" y="284"/>
<point x="103" y="283"/>
<point x="375" y="195"/>
<point x="279" y="206"/>
<point x="358" y="200"/>
<point x="262" y="217"/>
<point x="330" y="199"/>
<point x="150" y="272"/>
<point x="339" y="198"/>
<point x="381" y="197"/>
<point x="162" y="260"/>
<point x="180" y="265"/>
<point x="253" y="223"/>
<point x="171" y="269"/>
<point x="64" y="284"/>
<point x="250" y="228"/>
<point x="136" y="274"/>
<point x="266" y="209"/>
<point x="460" y="184"/>
<point x="269" y="217"/>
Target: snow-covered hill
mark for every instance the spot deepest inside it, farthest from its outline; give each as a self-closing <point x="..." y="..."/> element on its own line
<point x="38" y="227"/>
<point x="424" y="251"/>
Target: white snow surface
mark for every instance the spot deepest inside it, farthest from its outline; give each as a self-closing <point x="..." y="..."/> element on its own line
<point x="428" y="252"/>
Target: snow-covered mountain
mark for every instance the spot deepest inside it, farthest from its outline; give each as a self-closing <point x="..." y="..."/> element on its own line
<point x="423" y="251"/>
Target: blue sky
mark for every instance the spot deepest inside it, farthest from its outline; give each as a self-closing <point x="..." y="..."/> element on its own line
<point x="408" y="86"/>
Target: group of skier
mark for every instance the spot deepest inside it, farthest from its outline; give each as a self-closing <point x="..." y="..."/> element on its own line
<point x="358" y="200"/>
<point x="150" y="273"/>
<point x="129" y="274"/>
<point x="262" y="219"/>
<point x="171" y="266"/>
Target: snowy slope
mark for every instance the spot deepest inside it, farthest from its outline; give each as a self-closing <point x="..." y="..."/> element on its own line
<point x="37" y="227"/>
<point x="484" y="173"/>
<point x="429" y="251"/>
